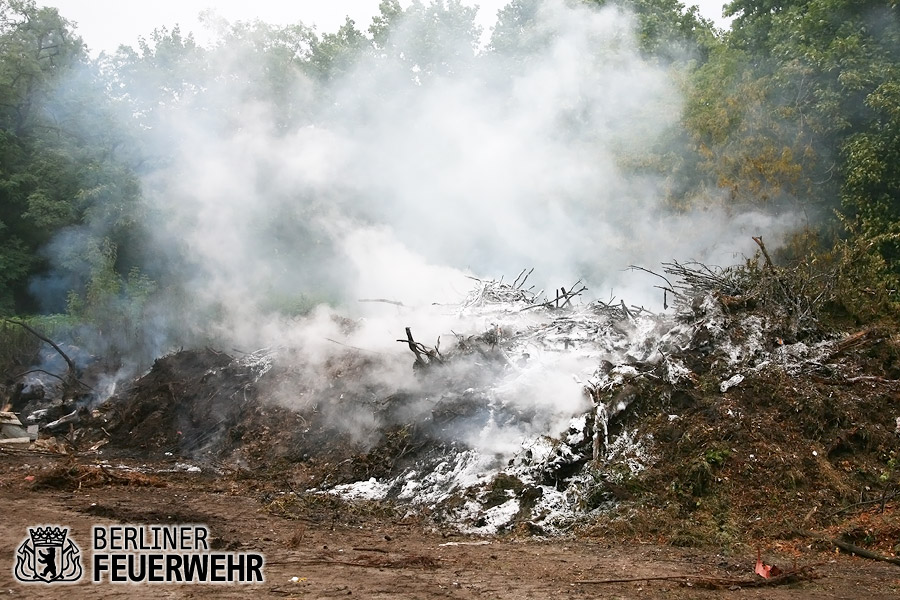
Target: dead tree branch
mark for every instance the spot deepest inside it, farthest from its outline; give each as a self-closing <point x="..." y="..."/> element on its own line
<point x="382" y="300"/>
<point x="71" y="378"/>
<point x="44" y="338"/>
<point x="518" y="284"/>
<point x="789" y="298"/>
<point x="885" y="498"/>
<point x="562" y="298"/>
<point x="788" y="577"/>
<point x="425" y="356"/>
<point x="850" y="548"/>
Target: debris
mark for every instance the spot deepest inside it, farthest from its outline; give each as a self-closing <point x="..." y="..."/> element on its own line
<point x="539" y="420"/>
<point x="478" y="543"/>
<point x="851" y="548"/>
<point x="15" y="441"/>
<point x="69" y="418"/>
<point x="425" y="356"/>
<point x="489" y="292"/>
<point x="856" y="341"/>
<point x="381" y="300"/>
<point x="75" y="476"/>
<point x="71" y="379"/>
<point x="38" y="415"/>
<point x="786" y="578"/>
<point x="403" y="561"/>
<point x="98" y="445"/>
<point x="11" y="427"/>
<point x="562" y="297"/>
<point x="763" y="570"/>
<point x="730" y="382"/>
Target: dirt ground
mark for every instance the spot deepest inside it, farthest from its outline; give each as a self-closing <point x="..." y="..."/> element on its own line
<point x="332" y="556"/>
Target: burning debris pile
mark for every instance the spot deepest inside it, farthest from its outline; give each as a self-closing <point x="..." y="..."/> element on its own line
<point x="731" y="411"/>
<point x="647" y="380"/>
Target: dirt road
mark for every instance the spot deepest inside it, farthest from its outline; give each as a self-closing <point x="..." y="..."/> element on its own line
<point x="328" y="558"/>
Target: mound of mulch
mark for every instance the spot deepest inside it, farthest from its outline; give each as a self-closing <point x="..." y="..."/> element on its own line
<point x="74" y="476"/>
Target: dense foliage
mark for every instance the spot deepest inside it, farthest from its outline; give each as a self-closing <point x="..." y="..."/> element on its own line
<point x="798" y="104"/>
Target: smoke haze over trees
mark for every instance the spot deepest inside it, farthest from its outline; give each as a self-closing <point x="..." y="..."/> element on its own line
<point x="174" y="193"/>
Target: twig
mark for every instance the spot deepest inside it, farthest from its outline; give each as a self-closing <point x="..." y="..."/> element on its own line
<point x="566" y="297"/>
<point x="421" y="350"/>
<point x="518" y="284"/>
<point x="792" y="576"/>
<point x="29" y="372"/>
<point x="852" y="380"/>
<point x="789" y="298"/>
<point x="357" y="348"/>
<point x="414" y="346"/>
<point x="759" y="242"/>
<point x="385" y="301"/>
<point x="670" y="287"/>
<point x="873" y="378"/>
<point x="71" y="374"/>
<point x="44" y="338"/>
<point x="636" y="579"/>
<point x="850" y="548"/>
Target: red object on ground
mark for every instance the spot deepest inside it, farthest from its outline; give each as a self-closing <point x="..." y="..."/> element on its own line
<point x="765" y="571"/>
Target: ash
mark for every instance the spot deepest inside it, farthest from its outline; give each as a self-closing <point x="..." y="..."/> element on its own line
<point x="545" y="441"/>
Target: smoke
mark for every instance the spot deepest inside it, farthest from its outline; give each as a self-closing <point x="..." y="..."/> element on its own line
<point x="420" y="165"/>
<point x="402" y="179"/>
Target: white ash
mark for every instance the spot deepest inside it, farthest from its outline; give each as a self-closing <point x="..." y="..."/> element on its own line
<point x="605" y="359"/>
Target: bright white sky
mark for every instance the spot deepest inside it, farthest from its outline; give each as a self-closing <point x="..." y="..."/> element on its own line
<point x="105" y="24"/>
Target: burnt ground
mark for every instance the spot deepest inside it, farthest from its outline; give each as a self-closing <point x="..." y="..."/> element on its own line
<point x="799" y="461"/>
<point x="367" y="553"/>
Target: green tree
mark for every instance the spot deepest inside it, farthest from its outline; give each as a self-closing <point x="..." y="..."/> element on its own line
<point x="37" y="49"/>
<point x="335" y="54"/>
<point x="440" y="38"/>
<point x="66" y="160"/>
<point x="37" y="46"/>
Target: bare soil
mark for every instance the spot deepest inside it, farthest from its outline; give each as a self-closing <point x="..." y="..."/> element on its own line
<point x="338" y="550"/>
<point x="801" y="456"/>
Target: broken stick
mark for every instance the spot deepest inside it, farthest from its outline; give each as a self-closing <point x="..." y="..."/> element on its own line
<point x="382" y="300"/>
<point x="44" y="338"/>
<point x="850" y="548"/>
<point x="792" y="576"/>
<point x="424" y="355"/>
<point x="72" y="370"/>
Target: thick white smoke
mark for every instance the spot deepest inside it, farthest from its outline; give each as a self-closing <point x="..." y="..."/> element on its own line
<point x="413" y="169"/>
<point x="401" y="180"/>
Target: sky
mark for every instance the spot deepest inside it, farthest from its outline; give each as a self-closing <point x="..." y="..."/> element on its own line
<point x="105" y="24"/>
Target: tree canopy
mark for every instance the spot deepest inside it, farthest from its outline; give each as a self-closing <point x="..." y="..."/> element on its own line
<point x="797" y="105"/>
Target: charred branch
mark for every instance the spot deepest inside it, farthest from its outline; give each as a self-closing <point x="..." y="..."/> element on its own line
<point x="425" y="356"/>
<point x="562" y="297"/>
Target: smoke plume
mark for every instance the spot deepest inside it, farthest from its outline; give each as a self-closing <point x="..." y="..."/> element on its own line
<point x="415" y="167"/>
